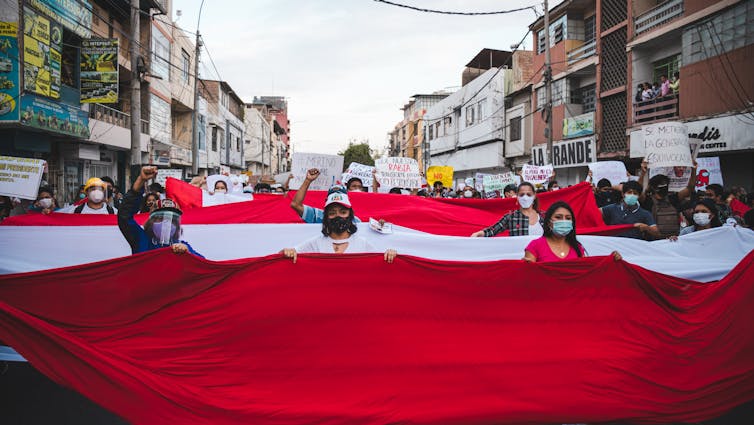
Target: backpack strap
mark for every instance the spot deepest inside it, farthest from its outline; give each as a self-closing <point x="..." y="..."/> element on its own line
<point x="79" y="209"/>
<point x="110" y="209"/>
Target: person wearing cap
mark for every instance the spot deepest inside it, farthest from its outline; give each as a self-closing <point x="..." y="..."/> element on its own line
<point x="307" y="213"/>
<point x="338" y="228"/>
<point x="96" y="199"/>
<point x="162" y="229"/>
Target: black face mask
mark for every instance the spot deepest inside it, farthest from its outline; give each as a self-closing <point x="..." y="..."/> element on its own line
<point x="340" y="224"/>
<point x="662" y="191"/>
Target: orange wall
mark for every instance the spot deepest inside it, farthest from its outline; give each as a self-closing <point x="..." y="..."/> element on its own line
<point x="706" y="89"/>
<point x="558" y="113"/>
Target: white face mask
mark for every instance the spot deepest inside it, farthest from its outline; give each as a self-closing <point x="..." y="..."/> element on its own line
<point x="96" y="195"/>
<point x="525" y="201"/>
<point x="702" y="218"/>
<point x="220" y="190"/>
<point x="45" y="203"/>
<point x="467" y="194"/>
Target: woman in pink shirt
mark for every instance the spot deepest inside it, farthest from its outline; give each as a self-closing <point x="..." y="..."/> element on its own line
<point x="559" y="241"/>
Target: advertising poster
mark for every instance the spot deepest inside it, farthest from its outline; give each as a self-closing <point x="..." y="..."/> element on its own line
<point x="578" y="126"/>
<point x="75" y="15"/>
<point x="9" y="69"/>
<point x="99" y="70"/>
<point x="42" y="46"/>
<point x="38" y="112"/>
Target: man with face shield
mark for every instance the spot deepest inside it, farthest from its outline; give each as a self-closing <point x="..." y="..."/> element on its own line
<point x="96" y="202"/>
<point x="162" y="229"/>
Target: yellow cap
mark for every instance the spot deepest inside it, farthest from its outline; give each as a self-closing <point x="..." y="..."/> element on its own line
<point x="94" y="181"/>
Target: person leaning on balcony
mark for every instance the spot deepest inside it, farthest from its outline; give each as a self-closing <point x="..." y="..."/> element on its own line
<point x="676" y="84"/>
<point x="664" y="85"/>
<point x="647" y="94"/>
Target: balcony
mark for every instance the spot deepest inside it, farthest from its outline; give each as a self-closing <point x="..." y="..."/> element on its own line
<point x="660" y="109"/>
<point x="114" y="117"/>
<point x="660" y="15"/>
<point x="582" y="52"/>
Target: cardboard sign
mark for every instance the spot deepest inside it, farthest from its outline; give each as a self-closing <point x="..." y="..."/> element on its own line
<point x="440" y="173"/>
<point x="330" y="169"/>
<point x="479" y="181"/>
<point x="679" y="176"/>
<point x="497" y="182"/>
<point x="281" y="178"/>
<point x="615" y="171"/>
<point x="397" y="172"/>
<point x="536" y="175"/>
<point x="20" y="177"/>
<point x="667" y="145"/>
<point x="708" y="172"/>
<point x="361" y="171"/>
<point x="164" y="173"/>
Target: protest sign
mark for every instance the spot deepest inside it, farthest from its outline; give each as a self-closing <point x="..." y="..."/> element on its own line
<point x="679" y="176"/>
<point x="164" y="173"/>
<point x="497" y="182"/>
<point x="281" y="178"/>
<point x="615" y="171"/>
<point x="479" y="181"/>
<point x="330" y="169"/>
<point x="440" y="173"/>
<point x="20" y="177"/>
<point x="667" y="145"/>
<point x="708" y="172"/>
<point x="536" y="175"/>
<point x="361" y="171"/>
<point x="397" y="172"/>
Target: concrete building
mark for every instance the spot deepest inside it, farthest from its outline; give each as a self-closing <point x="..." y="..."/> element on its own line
<point x="466" y="130"/>
<point x="407" y="138"/>
<point x="277" y="107"/>
<point x="257" y="140"/>
<point x="225" y="118"/>
<point x="519" y="111"/>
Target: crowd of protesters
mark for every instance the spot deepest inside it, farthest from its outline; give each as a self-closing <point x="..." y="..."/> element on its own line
<point x="647" y="204"/>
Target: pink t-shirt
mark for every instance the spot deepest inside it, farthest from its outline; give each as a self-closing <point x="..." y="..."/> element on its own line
<point x="542" y="251"/>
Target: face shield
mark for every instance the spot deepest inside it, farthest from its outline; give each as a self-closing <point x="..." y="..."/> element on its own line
<point x="165" y="227"/>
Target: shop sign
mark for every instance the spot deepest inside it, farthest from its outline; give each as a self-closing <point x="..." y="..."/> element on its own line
<point x="567" y="153"/>
<point x="48" y="115"/>
<point x="75" y="15"/>
<point x="578" y="126"/>
<point x="9" y="89"/>
<point x="99" y="70"/>
<point x="721" y="134"/>
<point x="43" y="40"/>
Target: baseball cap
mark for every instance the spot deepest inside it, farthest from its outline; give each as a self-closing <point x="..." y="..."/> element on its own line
<point x="338" y="198"/>
<point x="167" y="204"/>
<point x="336" y="188"/>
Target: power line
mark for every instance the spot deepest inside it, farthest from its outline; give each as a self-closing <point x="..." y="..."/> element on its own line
<point x="446" y="12"/>
<point x="206" y="49"/>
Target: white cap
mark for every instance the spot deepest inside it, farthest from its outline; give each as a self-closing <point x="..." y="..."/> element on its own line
<point x="338" y="198"/>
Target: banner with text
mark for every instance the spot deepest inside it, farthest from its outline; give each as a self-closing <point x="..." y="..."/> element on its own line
<point x="9" y="81"/>
<point x="49" y="115"/>
<point x="99" y="70"/>
<point x="360" y="171"/>
<point x="567" y="153"/>
<point x="442" y="173"/>
<point x="43" y="41"/>
<point x="497" y="182"/>
<point x="536" y="174"/>
<point x="74" y="15"/>
<point x="615" y="171"/>
<point x="20" y="177"/>
<point x="667" y="145"/>
<point x="708" y="172"/>
<point x="164" y="173"/>
<point x="330" y="169"/>
<point x="398" y="172"/>
<point x="679" y="176"/>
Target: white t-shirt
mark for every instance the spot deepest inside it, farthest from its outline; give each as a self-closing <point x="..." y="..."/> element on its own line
<point x="536" y="229"/>
<point x="324" y="245"/>
<point x="71" y="208"/>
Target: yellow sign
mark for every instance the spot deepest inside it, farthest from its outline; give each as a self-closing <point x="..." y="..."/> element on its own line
<point x="443" y="174"/>
<point x="99" y="70"/>
<point x="42" y="58"/>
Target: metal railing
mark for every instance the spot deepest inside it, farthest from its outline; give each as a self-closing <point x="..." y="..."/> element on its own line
<point x="660" y="15"/>
<point x="659" y="109"/>
<point x="582" y="52"/>
<point x="115" y="117"/>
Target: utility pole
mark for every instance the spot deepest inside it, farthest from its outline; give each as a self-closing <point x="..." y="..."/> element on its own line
<point x="548" y="85"/>
<point x="135" y="90"/>
<point x="194" y="112"/>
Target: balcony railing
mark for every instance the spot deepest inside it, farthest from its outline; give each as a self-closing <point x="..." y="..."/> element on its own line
<point x="660" y="15"/>
<point x="660" y="109"/>
<point x="114" y="117"/>
<point x="582" y="52"/>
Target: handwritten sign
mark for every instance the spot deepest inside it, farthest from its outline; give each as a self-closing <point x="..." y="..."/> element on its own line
<point x="20" y="177"/>
<point x="537" y="174"/>
<point x="440" y="173"/>
<point x="330" y="169"/>
<point x="667" y="145"/>
<point x="493" y="182"/>
<point x="679" y="176"/>
<point x="708" y="172"/>
<point x="164" y="173"/>
<point x="615" y="171"/>
<point x="397" y="172"/>
<point x="361" y="171"/>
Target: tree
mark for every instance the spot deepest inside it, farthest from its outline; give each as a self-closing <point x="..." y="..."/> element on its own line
<point x="360" y="153"/>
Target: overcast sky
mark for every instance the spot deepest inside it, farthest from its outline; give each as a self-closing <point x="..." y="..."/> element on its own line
<point x="346" y="67"/>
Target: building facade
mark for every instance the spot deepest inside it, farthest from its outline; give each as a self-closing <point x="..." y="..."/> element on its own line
<point x="225" y="120"/>
<point x="407" y="138"/>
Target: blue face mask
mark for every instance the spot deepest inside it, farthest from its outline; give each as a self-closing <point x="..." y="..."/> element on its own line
<point x="562" y="227"/>
<point x="631" y="200"/>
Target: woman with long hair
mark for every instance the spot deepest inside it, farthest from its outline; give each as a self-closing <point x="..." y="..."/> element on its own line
<point x="522" y="222"/>
<point x="706" y="216"/>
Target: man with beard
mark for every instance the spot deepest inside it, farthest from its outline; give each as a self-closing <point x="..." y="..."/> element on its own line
<point x="338" y="231"/>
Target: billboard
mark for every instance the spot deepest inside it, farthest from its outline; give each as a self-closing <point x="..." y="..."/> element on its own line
<point x="9" y="89"/>
<point x="42" y="54"/>
<point x="99" y="70"/>
<point x="75" y="15"/>
<point x="44" y="114"/>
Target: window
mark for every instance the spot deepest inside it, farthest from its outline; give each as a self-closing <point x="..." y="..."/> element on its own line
<point x="540" y="42"/>
<point x="238" y="144"/>
<point x="437" y="129"/>
<point x="214" y="139"/>
<point x="224" y="98"/>
<point x="480" y="107"/>
<point x="558" y="33"/>
<point x="159" y="119"/>
<point x="186" y="66"/>
<point x="665" y="67"/>
<point x="202" y="133"/>
<point x="470" y="115"/>
<point x="160" y="54"/>
<point x="588" y="98"/>
<point x="447" y="123"/>
<point x="590" y="31"/>
<point x="726" y="31"/>
<point x="515" y="128"/>
<point x="431" y="132"/>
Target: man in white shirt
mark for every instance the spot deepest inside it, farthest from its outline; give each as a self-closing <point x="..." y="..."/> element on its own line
<point x="96" y="201"/>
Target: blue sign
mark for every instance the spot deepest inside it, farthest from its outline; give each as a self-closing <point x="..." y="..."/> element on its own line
<point x="9" y="69"/>
<point x="44" y="114"/>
